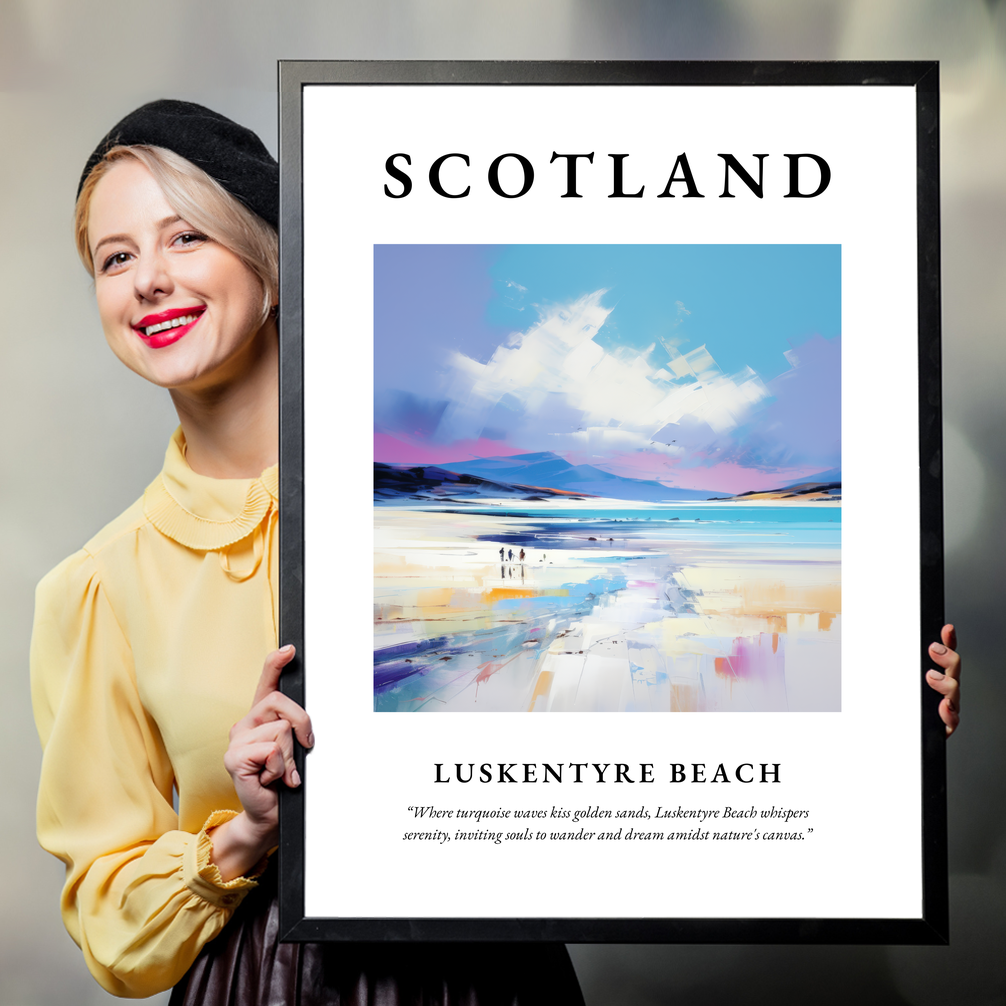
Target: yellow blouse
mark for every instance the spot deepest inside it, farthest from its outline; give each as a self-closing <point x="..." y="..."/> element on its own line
<point x="147" y="647"/>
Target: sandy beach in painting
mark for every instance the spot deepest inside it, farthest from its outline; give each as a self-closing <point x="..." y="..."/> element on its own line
<point x="616" y="606"/>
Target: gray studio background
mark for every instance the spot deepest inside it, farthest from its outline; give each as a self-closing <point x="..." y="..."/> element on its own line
<point x="82" y="436"/>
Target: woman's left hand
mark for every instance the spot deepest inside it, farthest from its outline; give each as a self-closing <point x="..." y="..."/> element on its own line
<point x="948" y="681"/>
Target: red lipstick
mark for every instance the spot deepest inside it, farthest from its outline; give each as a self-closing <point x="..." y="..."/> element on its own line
<point x="166" y="327"/>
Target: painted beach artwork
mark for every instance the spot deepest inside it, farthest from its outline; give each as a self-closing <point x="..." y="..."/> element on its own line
<point x="607" y="478"/>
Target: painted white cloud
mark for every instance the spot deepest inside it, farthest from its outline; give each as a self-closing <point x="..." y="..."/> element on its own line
<point x="617" y="400"/>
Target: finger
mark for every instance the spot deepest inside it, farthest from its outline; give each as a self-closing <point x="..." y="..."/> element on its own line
<point x="271" y="670"/>
<point x="276" y="706"/>
<point x="259" y="760"/>
<point x="949" y="636"/>
<point x="274" y="766"/>
<point x="947" y="686"/>
<point x="950" y="716"/>
<point x="279" y="732"/>
<point x="948" y="659"/>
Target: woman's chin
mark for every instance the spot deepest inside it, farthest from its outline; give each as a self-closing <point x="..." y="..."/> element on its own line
<point x="196" y="365"/>
<point x="173" y="374"/>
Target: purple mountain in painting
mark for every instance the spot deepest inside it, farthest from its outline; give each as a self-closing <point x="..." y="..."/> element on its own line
<point x="547" y="469"/>
<point x="395" y="483"/>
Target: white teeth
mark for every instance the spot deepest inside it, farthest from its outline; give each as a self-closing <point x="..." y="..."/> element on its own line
<point x="173" y="323"/>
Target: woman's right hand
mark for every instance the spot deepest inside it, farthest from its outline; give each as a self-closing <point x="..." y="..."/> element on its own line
<point x="259" y="754"/>
<point x="948" y="681"/>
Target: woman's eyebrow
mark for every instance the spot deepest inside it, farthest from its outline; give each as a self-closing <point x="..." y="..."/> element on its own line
<point x="160" y="225"/>
<point x="109" y="240"/>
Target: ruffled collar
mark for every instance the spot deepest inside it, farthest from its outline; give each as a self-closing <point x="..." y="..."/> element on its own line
<point x="203" y="513"/>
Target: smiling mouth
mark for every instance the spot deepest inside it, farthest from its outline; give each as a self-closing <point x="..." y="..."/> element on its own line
<point x="167" y="327"/>
<point x="165" y="324"/>
<point x="185" y="319"/>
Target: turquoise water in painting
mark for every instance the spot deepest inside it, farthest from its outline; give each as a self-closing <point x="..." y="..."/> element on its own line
<point x="725" y="522"/>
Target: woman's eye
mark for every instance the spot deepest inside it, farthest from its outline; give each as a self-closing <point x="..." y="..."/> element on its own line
<point x="190" y="238"/>
<point x="114" y="261"/>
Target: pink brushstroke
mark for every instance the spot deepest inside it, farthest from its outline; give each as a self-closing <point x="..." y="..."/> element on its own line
<point x="723" y="476"/>
<point x="735" y="478"/>
<point x="759" y="657"/>
<point x="393" y="451"/>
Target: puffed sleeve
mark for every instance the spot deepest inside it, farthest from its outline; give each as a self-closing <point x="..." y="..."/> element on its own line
<point x="141" y="898"/>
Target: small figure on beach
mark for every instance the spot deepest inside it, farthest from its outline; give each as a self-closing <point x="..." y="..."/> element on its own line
<point x="521" y="556"/>
<point x="510" y="554"/>
<point x="501" y="553"/>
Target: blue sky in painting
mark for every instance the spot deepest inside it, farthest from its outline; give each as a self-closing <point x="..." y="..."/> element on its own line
<point x="703" y="366"/>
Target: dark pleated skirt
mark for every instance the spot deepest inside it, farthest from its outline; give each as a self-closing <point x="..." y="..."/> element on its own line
<point x="246" y="965"/>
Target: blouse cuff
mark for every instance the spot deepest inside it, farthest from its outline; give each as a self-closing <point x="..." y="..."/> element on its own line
<point x="202" y="876"/>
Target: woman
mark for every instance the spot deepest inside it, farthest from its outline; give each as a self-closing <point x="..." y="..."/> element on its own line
<point x="149" y="643"/>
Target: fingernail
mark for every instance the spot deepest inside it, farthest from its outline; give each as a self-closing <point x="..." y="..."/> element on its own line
<point x="310" y="740"/>
<point x="936" y="675"/>
<point x="938" y="648"/>
<point x="295" y="777"/>
<point x="287" y="649"/>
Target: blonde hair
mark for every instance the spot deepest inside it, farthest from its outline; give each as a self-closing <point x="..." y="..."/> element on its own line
<point x="199" y="200"/>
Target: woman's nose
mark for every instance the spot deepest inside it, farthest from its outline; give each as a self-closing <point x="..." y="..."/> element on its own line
<point x="152" y="277"/>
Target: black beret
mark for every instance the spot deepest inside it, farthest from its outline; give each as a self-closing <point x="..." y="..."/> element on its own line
<point x="231" y="154"/>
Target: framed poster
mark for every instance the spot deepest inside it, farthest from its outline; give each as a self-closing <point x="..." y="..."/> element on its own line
<point x="611" y="573"/>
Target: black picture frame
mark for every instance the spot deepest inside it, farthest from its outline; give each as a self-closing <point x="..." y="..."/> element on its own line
<point x="931" y="927"/>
